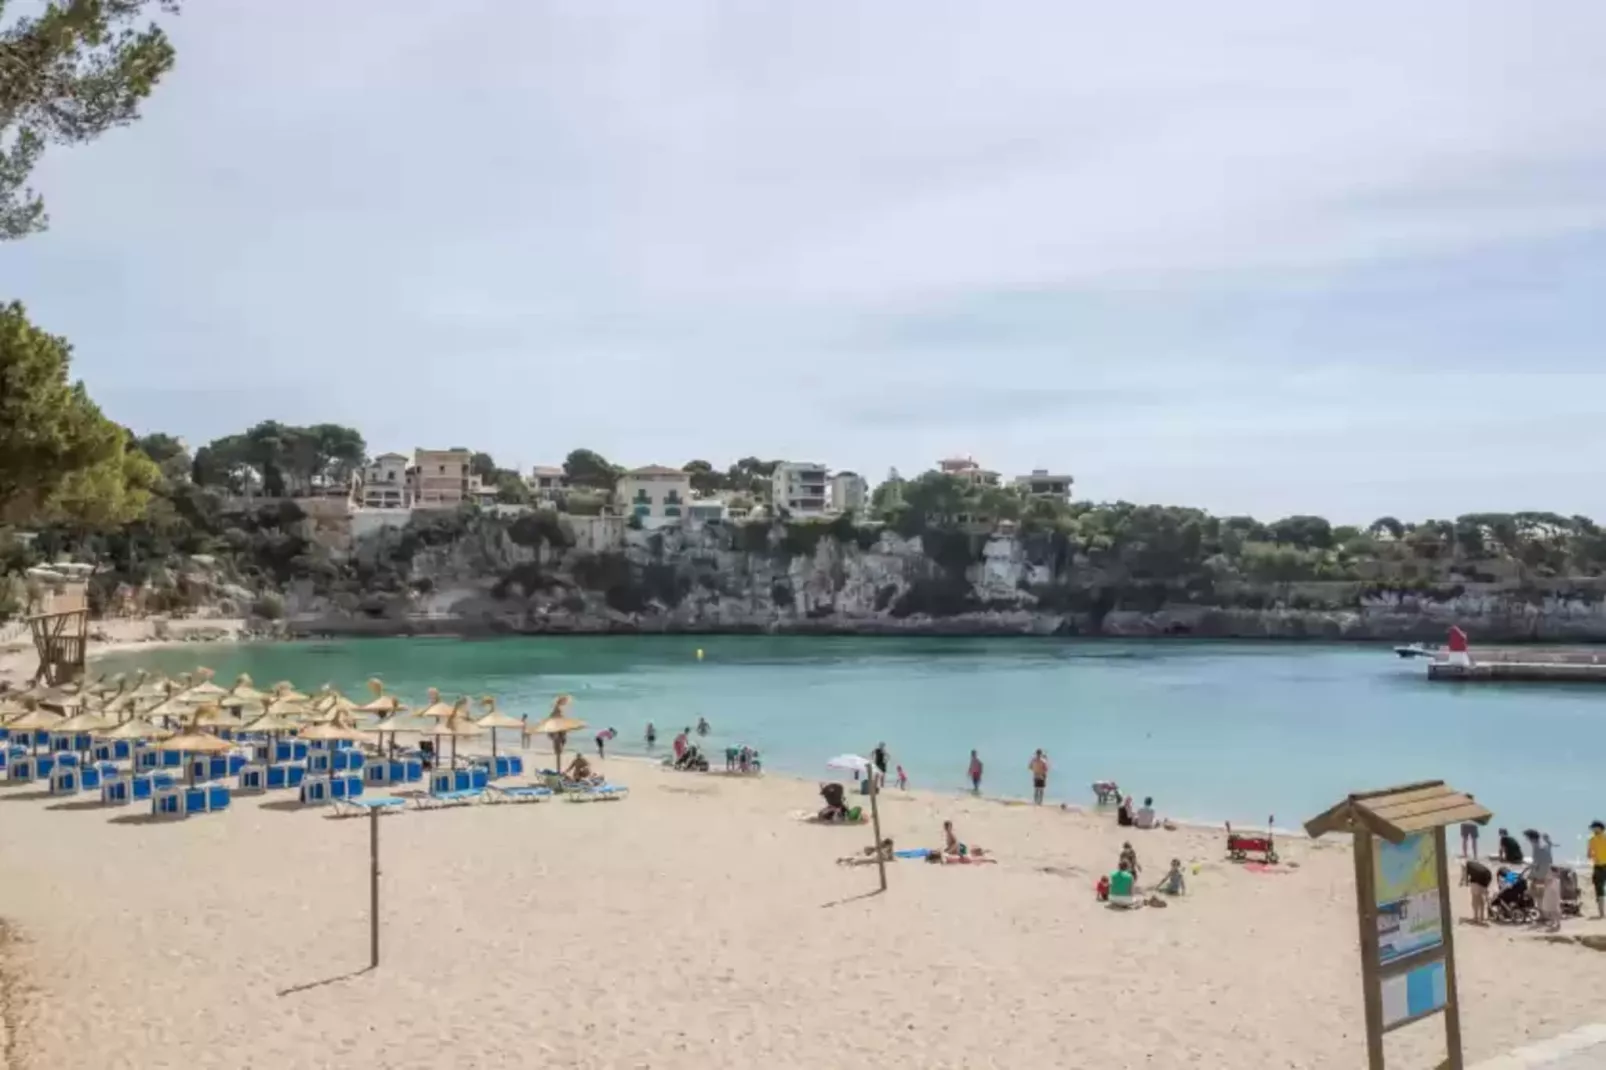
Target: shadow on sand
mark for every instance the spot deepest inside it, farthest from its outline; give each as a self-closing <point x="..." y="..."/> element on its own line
<point x="353" y="975"/>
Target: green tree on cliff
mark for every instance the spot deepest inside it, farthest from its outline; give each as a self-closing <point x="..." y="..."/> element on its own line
<point x="60" y="458"/>
<point x="68" y="74"/>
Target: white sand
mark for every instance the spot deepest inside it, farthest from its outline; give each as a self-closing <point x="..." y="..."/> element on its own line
<point x="696" y="924"/>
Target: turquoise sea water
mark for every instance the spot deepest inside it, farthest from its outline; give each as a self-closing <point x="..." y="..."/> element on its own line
<point x="1212" y="730"/>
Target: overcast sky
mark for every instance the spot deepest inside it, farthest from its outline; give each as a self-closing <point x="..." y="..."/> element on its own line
<point x="1276" y="257"/>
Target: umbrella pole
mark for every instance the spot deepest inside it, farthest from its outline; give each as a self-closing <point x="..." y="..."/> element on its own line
<point x="875" y="821"/>
<point x="373" y="889"/>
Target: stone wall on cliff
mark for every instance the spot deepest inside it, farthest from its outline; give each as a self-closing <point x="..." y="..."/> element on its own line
<point x="490" y="577"/>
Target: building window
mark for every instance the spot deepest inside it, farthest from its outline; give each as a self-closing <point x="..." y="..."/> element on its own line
<point x="642" y="510"/>
<point x="671" y="510"/>
<point x="672" y="498"/>
<point x="642" y="498"/>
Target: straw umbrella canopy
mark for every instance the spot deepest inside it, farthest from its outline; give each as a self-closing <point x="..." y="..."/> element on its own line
<point x="82" y="722"/>
<point x="35" y="720"/>
<point x="273" y="724"/>
<point x="455" y="725"/>
<point x="436" y="707"/>
<point x="335" y="730"/>
<point x="12" y="705"/>
<point x="384" y="705"/>
<point x="286" y="690"/>
<point x="242" y="693"/>
<point x="494" y="719"/>
<point x="558" y="724"/>
<point x="133" y="730"/>
<point x="153" y="685"/>
<point x="205" y="689"/>
<point x="399" y="720"/>
<point x="213" y="717"/>
<point x="194" y="741"/>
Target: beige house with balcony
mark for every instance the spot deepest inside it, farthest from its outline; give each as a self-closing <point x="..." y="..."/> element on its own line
<point x="547" y="481"/>
<point x="441" y="478"/>
<point x="654" y="495"/>
<point x="967" y="470"/>
<point x="384" y="483"/>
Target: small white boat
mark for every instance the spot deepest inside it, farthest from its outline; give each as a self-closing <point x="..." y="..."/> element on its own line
<point x="1416" y="650"/>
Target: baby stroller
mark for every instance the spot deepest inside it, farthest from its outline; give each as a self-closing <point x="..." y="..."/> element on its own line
<point x="1514" y="904"/>
<point x="1572" y="899"/>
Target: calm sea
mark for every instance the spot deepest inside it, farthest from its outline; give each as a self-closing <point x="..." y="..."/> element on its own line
<point x="1212" y="730"/>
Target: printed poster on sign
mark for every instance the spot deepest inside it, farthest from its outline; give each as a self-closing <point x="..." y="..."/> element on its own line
<point x="1406" y="879"/>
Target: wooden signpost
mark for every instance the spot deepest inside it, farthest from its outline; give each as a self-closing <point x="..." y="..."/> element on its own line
<point x="1402" y="893"/>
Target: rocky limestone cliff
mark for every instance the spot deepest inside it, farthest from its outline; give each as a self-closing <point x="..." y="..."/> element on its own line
<point x="490" y="576"/>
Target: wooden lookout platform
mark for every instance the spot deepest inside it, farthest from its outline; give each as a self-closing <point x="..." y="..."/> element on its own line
<point x="62" y="640"/>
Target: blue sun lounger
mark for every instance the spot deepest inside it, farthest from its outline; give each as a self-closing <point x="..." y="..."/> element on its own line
<point x="597" y="793"/>
<point x="352" y="806"/>
<point x="435" y="800"/>
<point x="518" y="794"/>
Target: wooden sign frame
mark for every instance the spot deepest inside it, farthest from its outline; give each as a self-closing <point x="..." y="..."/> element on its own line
<point x="1377" y="821"/>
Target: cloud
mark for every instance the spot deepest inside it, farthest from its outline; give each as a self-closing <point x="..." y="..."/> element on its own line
<point x="1266" y="258"/>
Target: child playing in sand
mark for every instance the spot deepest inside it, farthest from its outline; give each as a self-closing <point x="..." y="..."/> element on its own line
<point x="1129" y="860"/>
<point x="1173" y="883"/>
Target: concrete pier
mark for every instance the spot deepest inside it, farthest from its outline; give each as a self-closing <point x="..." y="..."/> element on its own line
<point x="1524" y="665"/>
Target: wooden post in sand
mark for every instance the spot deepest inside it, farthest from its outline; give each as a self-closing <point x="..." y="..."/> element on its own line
<point x="373" y="889"/>
<point x="1402" y="892"/>
<point x="875" y="822"/>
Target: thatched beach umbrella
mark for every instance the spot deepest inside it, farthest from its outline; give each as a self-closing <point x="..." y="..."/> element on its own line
<point x="150" y="685"/>
<point x="457" y="724"/>
<point x="494" y="719"/>
<point x="271" y="723"/>
<point x="558" y="724"/>
<point x="435" y="707"/>
<point x="331" y="731"/>
<point x="35" y="720"/>
<point x="84" y="722"/>
<point x="243" y="693"/>
<point x="284" y="689"/>
<point x="194" y="741"/>
<point x="203" y="689"/>
<point x="133" y="730"/>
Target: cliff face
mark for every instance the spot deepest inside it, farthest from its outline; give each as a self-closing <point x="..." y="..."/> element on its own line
<point x="492" y="576"/>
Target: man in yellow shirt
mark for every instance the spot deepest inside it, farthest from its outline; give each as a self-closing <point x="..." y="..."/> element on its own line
<point x="1597" y="855"/>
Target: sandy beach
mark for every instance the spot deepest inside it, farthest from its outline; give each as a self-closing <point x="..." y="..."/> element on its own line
<point x="699" y="923"/>
<point x="19" y="661"/>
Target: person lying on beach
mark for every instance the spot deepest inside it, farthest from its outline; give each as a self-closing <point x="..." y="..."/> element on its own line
<point x="867" y="856"/>
<point x="1173" y="883"/>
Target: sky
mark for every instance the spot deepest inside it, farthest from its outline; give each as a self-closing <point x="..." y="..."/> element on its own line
<point x="1272" y="257"/>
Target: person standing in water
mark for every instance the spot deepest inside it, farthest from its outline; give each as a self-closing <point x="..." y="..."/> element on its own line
<point x="1039" y="769"/>
<point x="702" y="726"/>
<point x="652" y="735"/>
<point x="975" y="774"/>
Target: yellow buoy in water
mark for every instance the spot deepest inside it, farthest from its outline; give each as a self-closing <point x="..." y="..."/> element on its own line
<point x="699" y="653"/>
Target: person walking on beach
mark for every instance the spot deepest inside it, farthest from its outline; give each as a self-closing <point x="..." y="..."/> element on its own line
<point x="524" y="733"/>
<point x="1542" y="880"/>
<point x="1039" y="769"/>
<point x="1597" y="858"/>
<point x="879" y="758"/>
<point x="975" y="774"/>
<point x="1469" y="837"/>
<point x="903" y="780"/>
